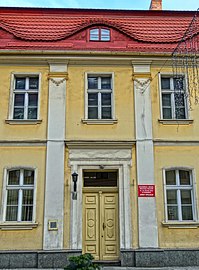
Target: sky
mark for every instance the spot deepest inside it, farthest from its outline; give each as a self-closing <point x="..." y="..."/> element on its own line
<point x="106" y="4"/>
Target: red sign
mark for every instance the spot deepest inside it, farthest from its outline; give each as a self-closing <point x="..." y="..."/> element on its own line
<point x="146" y="190"/>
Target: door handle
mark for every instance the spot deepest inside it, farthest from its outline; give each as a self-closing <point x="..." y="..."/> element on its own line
<point x="103" y="226"/>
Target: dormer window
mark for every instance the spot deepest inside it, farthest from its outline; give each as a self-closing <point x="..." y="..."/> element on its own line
<point x="99" y="34"/>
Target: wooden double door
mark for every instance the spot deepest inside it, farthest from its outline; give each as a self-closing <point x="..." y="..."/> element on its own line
<point x="100" y="223"/>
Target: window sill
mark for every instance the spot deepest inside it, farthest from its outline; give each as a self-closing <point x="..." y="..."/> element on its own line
<point x="22" y="122"/>
<point x="175" y="121"/>
<point x="17" y="226"/>
<point x="181" y="224"/>
<point x="99" y="121"/>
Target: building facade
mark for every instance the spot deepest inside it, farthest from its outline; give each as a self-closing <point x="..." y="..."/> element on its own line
<point x="96" y="154"/>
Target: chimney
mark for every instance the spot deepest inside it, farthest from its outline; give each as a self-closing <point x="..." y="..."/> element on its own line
<point x="156" y="5"/>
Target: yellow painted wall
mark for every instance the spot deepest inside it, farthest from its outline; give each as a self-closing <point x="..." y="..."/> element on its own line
<point x="22" y="132"/>
<point x="124" y="108"/>
<point x="24" y="156"/>
<point x="75" y="130"/>
<point x="167" y="157"/>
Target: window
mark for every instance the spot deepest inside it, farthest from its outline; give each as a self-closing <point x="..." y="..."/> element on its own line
<point x="173" y="98"/>
<point x="99" y="34"/>
<point x="25" y="97"/>
<point x="179" y="195"/>
<point x="100" y="179"/>
<point x="20" y="195"/>
<point x="99" y="95"/>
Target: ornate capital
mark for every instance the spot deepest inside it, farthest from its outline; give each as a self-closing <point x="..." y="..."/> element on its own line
<point x="57" y="77"/>
<point x="142" y="84"/>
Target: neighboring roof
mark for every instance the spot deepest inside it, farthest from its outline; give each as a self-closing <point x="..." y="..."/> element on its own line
<point x="158" y="29"/>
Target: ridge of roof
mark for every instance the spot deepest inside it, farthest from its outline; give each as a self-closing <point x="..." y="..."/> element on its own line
<point x="91" y="10"/>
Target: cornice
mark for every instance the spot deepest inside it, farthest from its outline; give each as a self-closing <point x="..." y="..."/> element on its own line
<point x="163" y="142"/>
<point x="82" y="58"/>
<point x="72" y="144"/>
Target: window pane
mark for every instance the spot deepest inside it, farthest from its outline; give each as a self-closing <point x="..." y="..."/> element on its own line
<point x="34" y="83"/>
<point x="180" y="113"/>
<point x="178" y="83"/>
<point x="92" y="83"/>
<point x="187" y="213"/>
<point x="184" y="177"/>
<point x="170" y="177"/>
<point x="27" y="205"/>
<point x="167" y="114"/>
<point x="171" y="197"/>
<point x="28" y="197"/>
<point x="27" y="212"/>
<point x="20" y="83"/>
<point x="12" y="205"/>
<point x="105" y="83"/>
<point x="32" y="99"/>
<point x="13" y="177"/>
<point x="12" y="197"/>
<point x="94" y="179"/>
<point x="18" y="113"/>
<point x="11" y="213"/>
<point x="106" y="99"/>
<point x="92" y="112"/>
<point x="172" y="212"/>
<point x="32" y="113"/>
<point x="179" y="99"/>
<point x="105" y="34"/>
<point x="28" y="177"/>
<point x="106" y="113"/>
<point x="93" y="99"/>
<point x="19" y="100"/>
<point x="186" y="197"/>
<point x="165" y="83"/>
<point x="166" y="100"/>
<point x="94" y="34"/>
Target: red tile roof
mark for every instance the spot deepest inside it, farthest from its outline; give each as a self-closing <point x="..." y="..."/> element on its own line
<point x="153" y="30"/>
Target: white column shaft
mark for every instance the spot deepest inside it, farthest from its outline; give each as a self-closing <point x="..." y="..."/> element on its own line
<point x="147" y="220"/>
<point x="54" y="191"/>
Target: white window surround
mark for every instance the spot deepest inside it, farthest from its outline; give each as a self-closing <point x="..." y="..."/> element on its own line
<point x="17" y="225"/>
<point x="181" y="223"/>
<point x="10" y="119"/>
<point x="110" y="159"/>
<point x="86" y="120"/>
<point x="173" y="120"/>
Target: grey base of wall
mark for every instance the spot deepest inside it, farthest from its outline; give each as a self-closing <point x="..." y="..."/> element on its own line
<point x="160" y="257"/>
<point x="36" y="259"/>
<point x="129" y="258"/>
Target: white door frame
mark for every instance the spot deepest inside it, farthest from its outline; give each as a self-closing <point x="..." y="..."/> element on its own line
<point x="121" y="161"/>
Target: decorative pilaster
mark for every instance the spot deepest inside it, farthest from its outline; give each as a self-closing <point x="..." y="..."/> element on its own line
<point x="147" y="220"/>
<point x="54" y="188"/>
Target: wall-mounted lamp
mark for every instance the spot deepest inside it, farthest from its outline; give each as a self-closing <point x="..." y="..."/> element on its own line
<point x="74" y="178"/>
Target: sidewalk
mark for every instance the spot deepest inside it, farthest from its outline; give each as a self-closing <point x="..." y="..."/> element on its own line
<point x="119" y="268"/>
<point x="152" y="268"/>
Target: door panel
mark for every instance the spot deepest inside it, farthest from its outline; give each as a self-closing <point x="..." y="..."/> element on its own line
<point x="90" y="225"/>
<point x="100" y="225"/>
<point x="110" y="228"/>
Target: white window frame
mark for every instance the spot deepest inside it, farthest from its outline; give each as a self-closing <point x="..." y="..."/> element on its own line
<point x="97" y="74"/>
<point x="179" y="187"/>
<point x="12" y="91"/>
<point x="20" y="187"/>
<point x="171" y="76"/>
